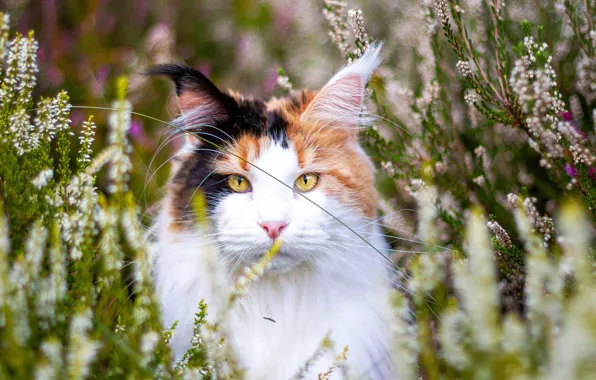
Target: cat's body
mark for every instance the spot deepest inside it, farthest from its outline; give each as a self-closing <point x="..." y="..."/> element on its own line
<point x="280" y="324"/>
<point x="285" y="162"/>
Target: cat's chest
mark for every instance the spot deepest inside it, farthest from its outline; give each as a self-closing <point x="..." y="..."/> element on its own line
<point x="277" y="336"/>
<point x="281" y="321"/>
<point x="276" y="347"/>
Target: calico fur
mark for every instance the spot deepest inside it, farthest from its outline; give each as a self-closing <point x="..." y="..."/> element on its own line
<point x="324" y="280"/>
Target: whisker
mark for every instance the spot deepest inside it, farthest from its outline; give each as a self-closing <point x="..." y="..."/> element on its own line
<point x="388" y="121"/>
<point x="221" y="148"/>
<point x="201" y="184"/>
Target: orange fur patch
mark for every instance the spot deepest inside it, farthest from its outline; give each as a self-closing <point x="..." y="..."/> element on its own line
<point x="247" y="149"/>
<point x="330" y="150"/>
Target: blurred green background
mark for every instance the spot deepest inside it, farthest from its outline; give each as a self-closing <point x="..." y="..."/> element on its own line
<point x="84" y="45"/>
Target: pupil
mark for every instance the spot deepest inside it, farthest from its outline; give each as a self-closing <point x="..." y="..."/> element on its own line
<point x="239" y="179"/>
<point x="305" y="178"/>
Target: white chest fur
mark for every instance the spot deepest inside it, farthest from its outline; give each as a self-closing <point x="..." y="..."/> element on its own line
<point x="282" y="320"/>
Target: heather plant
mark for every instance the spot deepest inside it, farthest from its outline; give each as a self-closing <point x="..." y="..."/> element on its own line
<point x="66" y="310"/>
<point x="485" y="126"/>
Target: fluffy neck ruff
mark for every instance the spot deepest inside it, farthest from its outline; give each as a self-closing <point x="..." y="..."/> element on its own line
<point x="282" y="320"/>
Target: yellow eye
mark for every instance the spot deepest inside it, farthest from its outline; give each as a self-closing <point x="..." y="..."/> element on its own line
<point x="238" y="183"/>
<point x="306" y="182"/>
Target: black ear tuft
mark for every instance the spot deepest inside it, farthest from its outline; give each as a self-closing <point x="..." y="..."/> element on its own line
<point x="196" y="94"/>
<point x="185" y="79"/>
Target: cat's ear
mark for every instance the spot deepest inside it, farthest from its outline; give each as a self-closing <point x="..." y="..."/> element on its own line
<point x="340" y="100"/>
<point x="201" y="102"/>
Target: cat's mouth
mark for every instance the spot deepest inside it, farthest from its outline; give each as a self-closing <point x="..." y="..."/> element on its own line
<point x="284" y="262"/>
<point x="285" y="258"/>
<point x="294" y="250"/>
<point x="282" y="251"/>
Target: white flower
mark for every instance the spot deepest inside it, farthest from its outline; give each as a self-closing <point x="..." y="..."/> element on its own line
<point x="471" y="97"/>
<point x="334" y="12"/>
<point x="476" y="284"/>
<point x="19" y="132"/>
<point x="4" y="29"/>
<point x="388" y="168"/>
<point x="283" y="81"/>
<point x="357" y="22"/>
<point x="43" y="178"/>
<point x="452" y="335"/>
<point x="480" y="180"/>
<point x="441" y="9"/>
<point x="500" y="233"/>
<point x="464" y="68"/>
<point x="82" y="349"/>
<point x="149" y="342"/>
<point x="119" y="124"/>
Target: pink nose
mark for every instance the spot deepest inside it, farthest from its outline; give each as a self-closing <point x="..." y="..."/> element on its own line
<point x="273" y="228"/>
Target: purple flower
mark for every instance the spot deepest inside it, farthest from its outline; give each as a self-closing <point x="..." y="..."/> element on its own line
<point x="137" y="132"/>
<point x="141" y="8"/>
<point x="570" y="170"/>
<point x="270" y="82"/>
<point x="568" y="118"/>
<point x="77" y="116"/>
<point x="283" y="21"/>
<point x="204" y="68"/>
<point x="101" y="75"/>
<point x="136" y="129"/>
<point x="54" y="76"/>
<point x="582" y="133"/>
<point x="592" y="173"/>
<point x="41" y="54"/>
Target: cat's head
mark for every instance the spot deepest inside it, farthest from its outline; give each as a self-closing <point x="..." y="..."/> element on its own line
<point x="280" y="168"/>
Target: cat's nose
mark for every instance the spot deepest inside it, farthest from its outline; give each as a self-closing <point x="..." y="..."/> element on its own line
<point x="273" y="228"/>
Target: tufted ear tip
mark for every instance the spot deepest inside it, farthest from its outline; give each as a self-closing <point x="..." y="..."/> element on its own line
<point x="202" y="104"/>
<point x="193" y="88"/>
<point x="174" y="72"/>
<point x="340" y="100"/>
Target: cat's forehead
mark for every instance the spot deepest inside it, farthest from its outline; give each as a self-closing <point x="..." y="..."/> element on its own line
<point x="276" y="118"/>
<point x="267" y="128"/>
<point x="275" y="164"/>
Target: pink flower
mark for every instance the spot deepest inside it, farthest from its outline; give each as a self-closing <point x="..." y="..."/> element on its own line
<point x="136" y="129"/>
<point x="141" y="8"/>
<point x="570" y="170"/>
<point x="77" y="117"/>
<point x="101" y="76"/>
<point x="567" y="116"/>
<point x="204" y="68"/>
<point x="137" y="132"/>
<point x="270" y="82"/>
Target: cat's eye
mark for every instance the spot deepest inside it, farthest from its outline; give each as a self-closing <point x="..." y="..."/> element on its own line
<point x="306" y="182"/>
<point x="238" y="183"/>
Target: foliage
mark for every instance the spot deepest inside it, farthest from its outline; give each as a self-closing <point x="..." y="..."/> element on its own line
<point x="66" y="309"/>
<point x="480" y="112"/>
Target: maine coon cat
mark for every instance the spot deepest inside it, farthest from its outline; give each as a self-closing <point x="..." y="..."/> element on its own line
<point x="276" y="153"/>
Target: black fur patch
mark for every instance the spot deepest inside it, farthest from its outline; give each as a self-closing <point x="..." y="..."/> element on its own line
<point x="196" y="174"/>
<point x="186" y="79"/>
<point x="245" y="116"/>
<point x="298" y="100"/>
<point x="250" y="118"/>
<point x="276" y="128"/>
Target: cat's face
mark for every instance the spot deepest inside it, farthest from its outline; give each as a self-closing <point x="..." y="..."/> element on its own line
<point x="277" y="169"/>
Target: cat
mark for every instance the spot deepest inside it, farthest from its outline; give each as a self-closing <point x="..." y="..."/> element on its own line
<point x="287" y="168"/>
